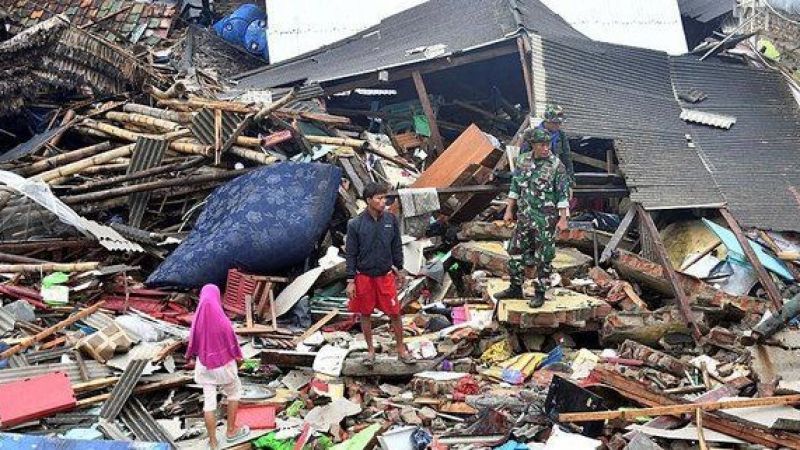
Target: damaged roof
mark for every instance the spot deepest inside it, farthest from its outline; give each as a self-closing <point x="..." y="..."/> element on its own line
<point x="755" y="162"/>
<point x="145" y="22"/>
<point x="625" y="93"/>
<point x="629" y="95"/>
<point x="445" y="26"/>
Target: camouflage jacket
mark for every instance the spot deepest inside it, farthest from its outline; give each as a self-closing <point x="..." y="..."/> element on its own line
<point x="540" y="186"/>
<point x="559" y="144"/>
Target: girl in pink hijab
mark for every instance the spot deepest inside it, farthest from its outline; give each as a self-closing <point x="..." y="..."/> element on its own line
<point x="214" y="345"/>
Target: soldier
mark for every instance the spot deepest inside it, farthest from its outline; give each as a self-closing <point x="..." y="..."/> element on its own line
<point x="559" y="144"/>
<point x="540" y="193"/>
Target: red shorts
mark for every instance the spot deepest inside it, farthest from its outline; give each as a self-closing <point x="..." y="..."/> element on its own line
<point x="375" y="292"/>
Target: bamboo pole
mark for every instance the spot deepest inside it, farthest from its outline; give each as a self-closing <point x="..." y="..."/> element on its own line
<point x="158" y="113"/>
<point x="358" y="143"/>
<point x="144" y="389"/>
<point x="330" y="140"/>
<point x="176" y="167"/>
<point x="143" y="120"/>
<point x="78" y="166"/>
<point x="252" y="155"/>
<point x="671" y="410"/>
<point x="274" y="106"/>
<point x="18" y="259"/>
<point x="47" y="332"/>
<point x="195" y="102"/>
<point x="151" y="186"/>
<point x="94" y="385"/>
<point x="64" y="158"/>
<point x="49" y="267"/>
<point x="248" y="141"/>
<point x="68" y="117"/>
<point x="176" y="90"/>
<point x="178" y="146"/>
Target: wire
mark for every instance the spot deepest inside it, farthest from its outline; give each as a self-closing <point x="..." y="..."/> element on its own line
<point x="766" y="2"/>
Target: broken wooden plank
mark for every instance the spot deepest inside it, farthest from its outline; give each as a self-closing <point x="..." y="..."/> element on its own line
<point x="422" y="93"/>
<point x="671" y="410"/>
<point x="619" y="234"/>
<point x="314" y="328"/>
<point x="47" y="332"/>
<point x="680" y="294"/>
<point x="764" y="277"/>
<point x="718" y="421"/>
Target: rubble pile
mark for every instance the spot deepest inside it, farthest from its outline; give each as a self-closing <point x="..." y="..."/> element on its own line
<point x="659" y="330"/>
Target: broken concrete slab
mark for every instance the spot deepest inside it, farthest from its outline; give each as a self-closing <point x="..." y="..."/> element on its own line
<point x="492" y="256"/>
<point x="562" y="308"/>
<point x="485" y="231"/>
<point x="644" y="327"/>
<point x="772" y="363"/>
<point x="650" y="274"/>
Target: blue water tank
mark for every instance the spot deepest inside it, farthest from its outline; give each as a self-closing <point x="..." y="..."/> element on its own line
<point x="232" y="28"/>
<point x="255" y="39"/>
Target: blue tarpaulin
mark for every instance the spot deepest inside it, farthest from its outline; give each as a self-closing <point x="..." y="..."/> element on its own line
<point x="11" y="441"/>
<point x="263" y="222"/>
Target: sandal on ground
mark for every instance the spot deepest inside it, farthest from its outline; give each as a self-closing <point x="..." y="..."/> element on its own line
<point x="242" y="432"/>
<point x="407" y="359"/>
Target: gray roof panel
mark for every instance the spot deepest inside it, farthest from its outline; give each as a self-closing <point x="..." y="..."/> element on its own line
<point x="457" y="24"/>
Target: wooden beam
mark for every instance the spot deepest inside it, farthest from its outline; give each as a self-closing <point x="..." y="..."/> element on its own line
<point x="671" y="410"/>
<point x="619" y="234"/>
<point x="764" y="277"/>
<point x="49" y="267"/>
<point x="589" y="161"/>
<point x="47" y="332"/>
<point x="422" y="92"/>
<point x="314" y="328"/>
<point x="661" y="252"/>
<point x="718" y="421"/>
<point x="526" y="70"/>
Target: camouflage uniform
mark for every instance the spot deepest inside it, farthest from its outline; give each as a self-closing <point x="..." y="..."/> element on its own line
<point x="559" y="142"/>
<point x="540" y="187"/>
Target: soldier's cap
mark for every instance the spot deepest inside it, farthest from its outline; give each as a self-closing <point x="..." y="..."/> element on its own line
<point x="553" y="113"/>
<point x="537" y="135"/>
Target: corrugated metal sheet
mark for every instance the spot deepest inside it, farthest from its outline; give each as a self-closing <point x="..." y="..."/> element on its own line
<point x="47" y="355"/>
<point x="32" y="145"/>
<point x="123" y="389"/>
<point x="705" y="10"/>
<point x="98" y="320"/>
<point x="204" y="129"/>
<point x="94" y="368"/>
<point x="141" y="423"/>
<point x="625" y="94"/>
<point x="755" y="163"/>
<point x="456" y="24"/>
<point x="147" y="153"/>
<point x="708" y="118"/>
<point x="7" y="322"/>
<point x="108" y="238"/>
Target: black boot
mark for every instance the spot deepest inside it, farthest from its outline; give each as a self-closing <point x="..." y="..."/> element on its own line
<point x="514" y="291"/>
<point x="537" y="300"/>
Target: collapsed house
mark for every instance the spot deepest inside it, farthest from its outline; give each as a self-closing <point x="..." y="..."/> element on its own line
<point x="677" y="278"/>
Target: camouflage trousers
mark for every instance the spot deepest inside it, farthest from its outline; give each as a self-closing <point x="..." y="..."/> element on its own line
<point x="532" y="248"/>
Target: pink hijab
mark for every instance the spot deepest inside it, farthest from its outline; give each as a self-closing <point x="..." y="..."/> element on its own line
<point x="212" y="338"/>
